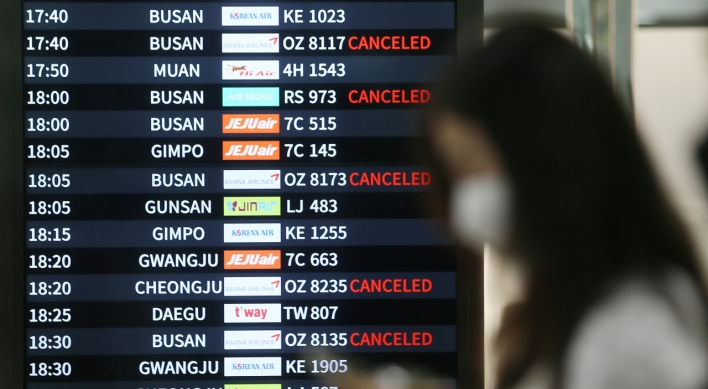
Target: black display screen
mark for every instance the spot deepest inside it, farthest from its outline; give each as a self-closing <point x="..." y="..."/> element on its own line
<point x="227" y="195"/>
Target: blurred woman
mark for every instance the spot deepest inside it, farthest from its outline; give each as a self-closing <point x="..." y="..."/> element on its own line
<point x="538" y="158"/>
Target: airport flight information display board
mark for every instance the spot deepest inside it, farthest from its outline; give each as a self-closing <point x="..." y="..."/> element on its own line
<point x="226" y="195"/>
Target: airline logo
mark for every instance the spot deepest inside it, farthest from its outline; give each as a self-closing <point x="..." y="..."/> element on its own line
<point x="254" y="386"/>
<point x="250" y="70"/>
<point x="250" y="16"/>
<point x="250" y="97"/>
<point x="251" y="124"/>
<point x="251" y="259"/>
<point x="252" y="340"/>
<point x="251" y="150"/>
<point x="251" y="286"/>
<point x="252" y="367"/>
<point x="251" y="206"/>
<point x="252" y="233"/>
<point x="251" y="313"/>
<point x="250" y="43"/>
<point x="251" y="179"/>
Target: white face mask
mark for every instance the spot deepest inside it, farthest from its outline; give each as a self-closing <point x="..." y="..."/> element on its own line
<point x="481" y="211"/>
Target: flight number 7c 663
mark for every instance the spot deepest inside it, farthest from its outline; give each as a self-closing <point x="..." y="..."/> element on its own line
<point x="316" y="259"/>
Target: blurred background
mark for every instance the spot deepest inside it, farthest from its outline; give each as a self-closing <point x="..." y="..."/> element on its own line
<point x="657" y="53"/>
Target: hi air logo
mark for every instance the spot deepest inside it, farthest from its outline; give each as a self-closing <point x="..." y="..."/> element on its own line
<point x="250" y="16"/>
<point x="251" y="150"/>
<point x="251" y="206"/>
<point x="251" y="286"/>
<point x="250" y="43"/>
<point x="250" y="70"/>
<point x="252" y="233"/>
<point x="253" y="386"/>
<point x="251" y="124"/>
<point x="251" y="259"/>
<point x="250" y="97"/>
<point x="251" y="179"/>
<point x="252" y="367"/>
<point x="252" y="340"/>
<point x="252" y="313"/>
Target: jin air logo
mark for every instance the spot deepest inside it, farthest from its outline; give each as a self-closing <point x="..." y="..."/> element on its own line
<point x="251" y="206"/>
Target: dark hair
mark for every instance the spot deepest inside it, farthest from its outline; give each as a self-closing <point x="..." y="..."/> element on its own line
<point x="588" y="209"/>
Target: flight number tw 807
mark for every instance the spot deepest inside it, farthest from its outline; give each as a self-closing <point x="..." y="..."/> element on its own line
<point x="320" y="123"/>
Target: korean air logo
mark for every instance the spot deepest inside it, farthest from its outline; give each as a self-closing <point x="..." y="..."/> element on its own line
<point x="252" y="232"/>
<point x="252" y="367"/>
<point x="250" y="16"/>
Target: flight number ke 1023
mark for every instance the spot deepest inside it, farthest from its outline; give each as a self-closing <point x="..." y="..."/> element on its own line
<point x="317" y="16"/>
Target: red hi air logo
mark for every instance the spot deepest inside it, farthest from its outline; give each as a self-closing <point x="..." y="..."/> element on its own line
<point x="250" y="70"/>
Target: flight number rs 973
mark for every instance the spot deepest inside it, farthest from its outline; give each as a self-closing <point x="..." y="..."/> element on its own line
<point x="56" y="43"/>
<point x="313" y="97"/>
<point x="56" y="315"/>
<point x="320" y="123"/>
<point x="48" y="152"/>
<point x="53" y="70"/>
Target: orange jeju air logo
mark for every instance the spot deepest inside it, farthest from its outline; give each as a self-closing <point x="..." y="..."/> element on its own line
<point x="258" y="150"/>
<point x="251" y="259"/>
<point x="251" y="124"/>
